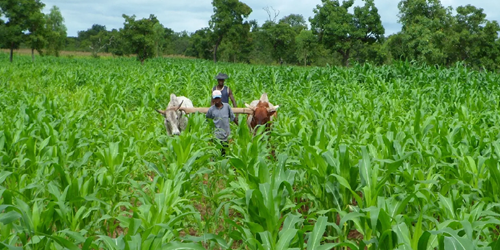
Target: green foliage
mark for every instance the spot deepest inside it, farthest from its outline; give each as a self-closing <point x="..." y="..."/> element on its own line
<point x="117" y="45"/>
<point x="375" y="53"/>
<point x="239" y="45"/>
<point x="21" y="16"/>
<point x="142" y="36"/>
<point x="341" y="34"/>
<point x="404" y="156"/>
<point x="179" y="42"/>
<point x="262" y="48"/>
<point x="275" y="42"/>
<point x="37" y="37"/>
<point x="306" y="46"/>
<point x="296" y="21"/>
<point x="56" y="31"/>
<point x="475" y="39"/>
<point x="431" y="34"/>
<point x="281" y="37"/>
<point x="426" y="30"/>
<point x="201" y="46"/>
<point x="159" y="38"/>
<point x="228" y="17"/>
<point x="96" y="39"/>
<point x="339" y="30"/>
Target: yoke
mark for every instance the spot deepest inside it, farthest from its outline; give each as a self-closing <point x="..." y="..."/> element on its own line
<point x="205" y="110"/>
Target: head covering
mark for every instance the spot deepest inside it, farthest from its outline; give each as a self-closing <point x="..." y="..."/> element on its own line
<point x="221" y="76"/>
<point x="216" y="94"/>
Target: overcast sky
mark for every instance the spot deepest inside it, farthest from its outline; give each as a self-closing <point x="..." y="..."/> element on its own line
<point x="191" y="15"/>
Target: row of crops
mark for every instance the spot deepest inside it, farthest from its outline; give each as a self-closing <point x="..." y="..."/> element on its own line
<point x="393" y="157"/>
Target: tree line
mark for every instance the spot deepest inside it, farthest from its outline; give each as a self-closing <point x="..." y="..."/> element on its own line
<point x="340" y="34"/>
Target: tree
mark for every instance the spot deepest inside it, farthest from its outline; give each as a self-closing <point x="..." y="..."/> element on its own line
<point x="476" y="38"/>
<point x="412" y="11"/>
<point x="340" y="30"/>
<point x="2" y="31"/>
<point x="228" y="14"/>
<point x="296" y="21"/>
<point x="426" y="30"/>
<point x="117" y="45"/>
<point x="396" y="46"/>
<point x="200" y="46"/>
<point x="19" y="15"/>
<point x="306" y="43"/>
<point x="180" y="42"/>
<point x="72" y="43"/>
<point x="159" y="38"/>
<point x="282" y="38"/>
<point x="169" y="35"/>
<point x="489" y="52"/>
<point x="36" y="38"/>
<point x="140" y="36"/>
<point x="239" y="47"/>
<point x="375" y="53"/>
<point x="95" y="39"/>
<point x="262" y="49"/>
<point x="56" y="31"/>
<point x="94" y="30"/>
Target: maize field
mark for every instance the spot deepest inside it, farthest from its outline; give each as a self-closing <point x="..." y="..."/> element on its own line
<point x="404" y="157"/>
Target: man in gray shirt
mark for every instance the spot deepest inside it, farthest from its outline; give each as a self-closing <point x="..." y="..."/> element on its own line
<point x="222" y="114"/>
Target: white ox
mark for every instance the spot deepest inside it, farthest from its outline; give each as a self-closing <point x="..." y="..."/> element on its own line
<point x="175" y="119"/>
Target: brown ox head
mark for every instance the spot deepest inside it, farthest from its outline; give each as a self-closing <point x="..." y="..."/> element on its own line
<point x="263" y="111"/>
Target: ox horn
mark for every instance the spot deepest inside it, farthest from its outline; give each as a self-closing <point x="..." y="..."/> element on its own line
<point x="250" y="107"/>
<point x="264" y="98"/>
<point x="178" y="107"/>
<point x="273" y="108"/>
<point x="160" y="111"/>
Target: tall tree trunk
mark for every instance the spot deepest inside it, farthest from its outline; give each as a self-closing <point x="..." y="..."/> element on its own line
<point x="32" y="54"/>
<point x="216" y="47"/>
<point x="345" y="57"/>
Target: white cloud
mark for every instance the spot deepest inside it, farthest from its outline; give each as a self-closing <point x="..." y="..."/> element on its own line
<point x="192" y="15"/>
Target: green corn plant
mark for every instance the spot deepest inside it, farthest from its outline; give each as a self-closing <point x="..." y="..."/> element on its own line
<point x="404" y="156"/>
<point x="261" y="202"/>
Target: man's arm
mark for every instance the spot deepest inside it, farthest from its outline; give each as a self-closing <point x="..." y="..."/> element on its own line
<point x="209" y="113"/>
<point x="232" y="98"/>
<point x="232" y="117"/>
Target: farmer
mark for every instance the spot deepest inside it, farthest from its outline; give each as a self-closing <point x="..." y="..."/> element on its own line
<point x="222" y="114"/>
<point x="226" y="92"/>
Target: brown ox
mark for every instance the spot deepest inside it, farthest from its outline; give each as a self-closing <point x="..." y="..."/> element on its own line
<point x="263" y="112"/>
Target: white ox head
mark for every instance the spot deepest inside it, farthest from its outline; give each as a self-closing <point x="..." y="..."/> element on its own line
<point x="175" y="120"/>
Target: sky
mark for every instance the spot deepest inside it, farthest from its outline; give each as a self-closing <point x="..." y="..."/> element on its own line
<point x="191" y="15"/>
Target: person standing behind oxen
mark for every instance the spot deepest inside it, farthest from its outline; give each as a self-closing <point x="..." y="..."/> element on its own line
<point x="226" y="92"/>
<point x="222" y="114"/>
